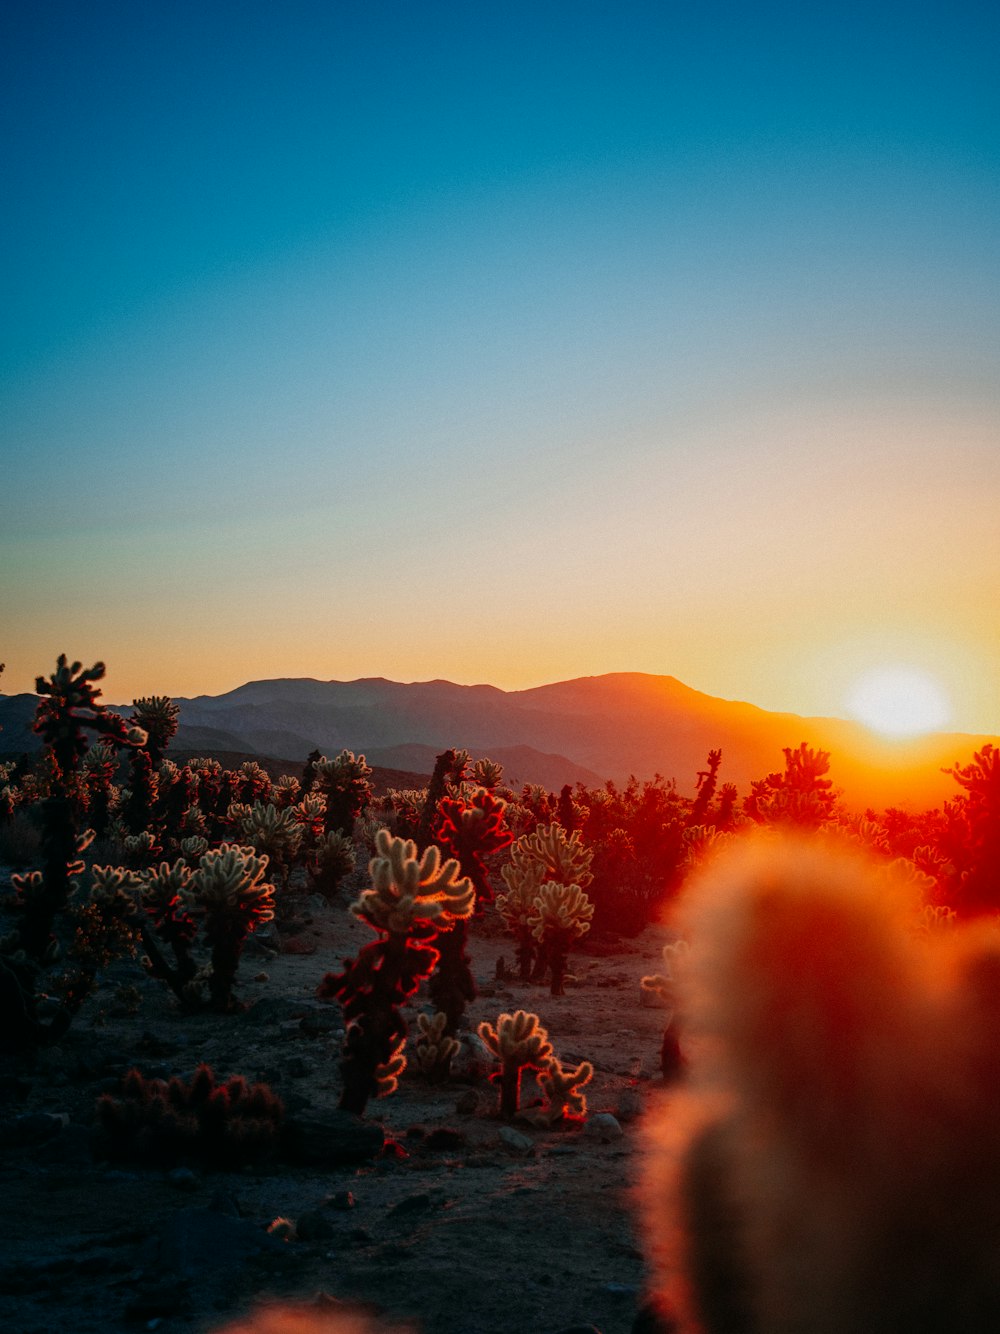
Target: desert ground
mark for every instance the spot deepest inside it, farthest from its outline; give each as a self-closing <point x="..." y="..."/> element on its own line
<point x="431" y="1209"/>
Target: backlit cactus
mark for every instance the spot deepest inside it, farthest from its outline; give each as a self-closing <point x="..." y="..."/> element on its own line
<point x="330" y="859"/>
<point x="343" y="782"/>
<point x="560" y="915"/>
<point x="230" y="890"/>
<point x="271" y="832"/>
<point x="407" y="890"/>
<point x="434" y="1048"/>
<point x="562" y="1087"/>
<point x="158" y="717"/>
<point x="410" y="899"/>
<point x="519" y="1043"/>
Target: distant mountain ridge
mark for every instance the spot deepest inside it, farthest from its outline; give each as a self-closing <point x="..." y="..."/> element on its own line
<point x="588" y="729"/>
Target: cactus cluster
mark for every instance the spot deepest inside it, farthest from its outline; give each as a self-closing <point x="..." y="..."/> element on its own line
<point x="520" y="1043"/>
<point x="223" y="1124"/>
<point x="545" y="906"/>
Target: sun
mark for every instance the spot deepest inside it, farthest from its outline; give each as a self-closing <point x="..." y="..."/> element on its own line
<point x="898" y="701"/>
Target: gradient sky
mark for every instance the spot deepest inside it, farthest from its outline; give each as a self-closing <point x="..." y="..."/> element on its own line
<point x="502" y="343"/>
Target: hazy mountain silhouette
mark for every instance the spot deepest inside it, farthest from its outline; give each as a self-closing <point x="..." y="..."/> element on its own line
<point x="589" y="729"/>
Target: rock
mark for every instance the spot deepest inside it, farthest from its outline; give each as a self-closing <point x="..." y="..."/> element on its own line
<point x="467" y="1102"/>
<point x="155" y="1299"/>
<point x="629" y="1104"/>
<point x="513" y="1139"/>
<point x="33" y="1128"/>
<point x="298" y="945"/>
<point x="224" y="1203"/>
<point x="412" y="1204"/>
<point x="314" y="1226"/>
<point x="341" y="1199"/>
<point x="324" y="1019"/>
<point x="603" y="1126"/>
<point x="72" y="1147"/>
<point x="473" y="1060"/>
<point x="195" y="1242"/>
<point x="298" y="1067"/>
<point x="274" y="1009"/>
<point x="332" y="1139"/>
<point x="444" y="1139"/>
<point x="182" y="1178"/>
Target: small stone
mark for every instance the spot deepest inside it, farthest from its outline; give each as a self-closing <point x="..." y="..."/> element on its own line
<point x="325" y="1019"/>
<point x="298" y="945"/>
<point x="629" y="1104"/>
<point x="467" y="1103"/>
<point x="262" y="977"/>
<point x="444" y="1139"/>
<point x="412" y="1204"/>
<point x="298" y="1067"/>
<point x="513" y="1139"/>
<point x="473" y="1059"/>
<point x="333" y="1139"/>
<point x="603" y="1126"/>
<point x="313" y="1226"/>
<point x="182" y="1178"/>
<point x="341" y="1199"/>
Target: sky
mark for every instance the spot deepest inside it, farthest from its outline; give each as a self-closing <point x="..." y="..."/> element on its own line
<point x="502" y="344"/>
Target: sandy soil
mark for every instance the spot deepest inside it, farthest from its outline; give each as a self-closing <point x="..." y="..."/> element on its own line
<point x="461" y="1232"/>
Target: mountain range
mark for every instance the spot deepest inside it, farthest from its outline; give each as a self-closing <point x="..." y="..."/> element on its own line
<point x="585" y="730"/>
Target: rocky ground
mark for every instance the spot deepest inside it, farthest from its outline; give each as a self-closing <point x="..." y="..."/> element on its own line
<point x="430" y="1209"/>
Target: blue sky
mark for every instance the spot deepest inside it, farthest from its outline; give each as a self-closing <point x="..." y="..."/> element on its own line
<point x="621" y="337"/>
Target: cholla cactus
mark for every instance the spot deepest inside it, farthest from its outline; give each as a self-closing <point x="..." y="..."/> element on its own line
<point x="310" y="813"/>
<point x="561" y="1086"/>
<point x="520" y="1043"/>
<point x="388" y="1072"/>
<point x="562" y="856"/>
<point x="434" y="1047"/>
<point x="230" y="889"/>
<point x="329" y="861"/>
<point x="271" y="831"/>
<point x="225" y="1124"/>
<point x="285" y="791"/>
<point x="162" y="891"/>
<point x="344" y="783"/>
<point x="561" y="914"/>
<point x="488" y="774"/>
<point x="141" y="850"/>
<point x="517" y="907"/>
<point x="469" y="829"/>
<point x="410" y="899"/>
<point x="701" y="842"/>
<point x="158" y="716"/>
<point x="406" y="890"/>
<point x="193" y="848"/>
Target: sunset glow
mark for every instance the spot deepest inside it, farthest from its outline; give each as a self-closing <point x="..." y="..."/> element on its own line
<point x="899" y="702"/>
<point x="381" y="341"/>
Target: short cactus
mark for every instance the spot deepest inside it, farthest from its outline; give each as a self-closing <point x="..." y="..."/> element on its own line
<point x="434" y="1048"/>
<point x="520" y="1043"/>
<point x="562" y="1087"/>
<point x="561" y="914"/>
<point x="223" y="1124"/>
<point x="230" y="889"/>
